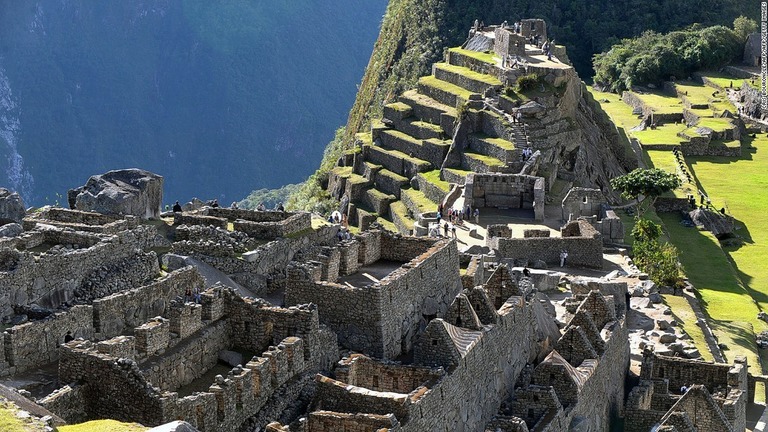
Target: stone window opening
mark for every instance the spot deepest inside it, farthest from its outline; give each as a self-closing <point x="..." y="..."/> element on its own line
<point x="434" y="342"/>
<point x="375" y="381"/>
<point x="661" y="372"/>
<point x="394" y="383"/>
<point x="585" y="200"/>
<point x="530" y="413"/>
<point x="535" y="398"/>
<point x="551" y="377"/>
<point x="458" y="321"/>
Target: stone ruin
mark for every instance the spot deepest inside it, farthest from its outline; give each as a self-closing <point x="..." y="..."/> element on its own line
<point x="678" y="394"/>
<point x="592" y="205"/>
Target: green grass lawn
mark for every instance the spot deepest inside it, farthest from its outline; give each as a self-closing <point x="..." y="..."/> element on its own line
<point x="725" y="81"/>
<point x="662" y="135"/>
<point x="696" y="93"/>
<point x="103" y="426"/>
<point x="716" y="124"/>
<point x="434" y="178"/>
<point x="487" y="57"/>
<point x="665" y="160"/>
<point x="728" y="303"/>
<point x="484" y="78"/>
<point x="662" y="103"/>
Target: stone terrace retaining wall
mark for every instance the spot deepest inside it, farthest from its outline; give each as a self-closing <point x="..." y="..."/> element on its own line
<point x="81" y="221"/>
<point x="584" y="246"/>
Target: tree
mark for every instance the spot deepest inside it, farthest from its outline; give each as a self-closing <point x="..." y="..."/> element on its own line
<point x="643" y="184"/>
<point x="743" y="27"/>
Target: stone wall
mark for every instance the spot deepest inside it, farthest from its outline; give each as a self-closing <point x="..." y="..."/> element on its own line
<point x="180" y="218"/>
<point x="269" y="230"/>
<point x="383" y="318"/>
<point x="582" y="202"/>
<point x="359" y="370"/>
<point x="506" y="191"/>
<point x="55" y="276"/>
<point x="585" y="249"/>
<point x="80" y="221"/>
<point x="188" y="360"/>
<point x="33" y="344"/>
<point x="113" y="314"/>
<point x="467" y="397"/>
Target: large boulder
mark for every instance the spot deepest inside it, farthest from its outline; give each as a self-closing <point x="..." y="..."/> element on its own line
<point x="121" y="192"/>
<point x="11" y="207"/>
<point x="718" y="224"/>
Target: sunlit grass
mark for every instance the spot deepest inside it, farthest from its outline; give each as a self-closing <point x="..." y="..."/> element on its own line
<point x="103" y="426"/>
<point x="686" y="318"/>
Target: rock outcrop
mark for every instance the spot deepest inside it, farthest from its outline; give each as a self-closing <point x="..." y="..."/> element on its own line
<point x="11" y="207"/>
<point x="120" y="192"/>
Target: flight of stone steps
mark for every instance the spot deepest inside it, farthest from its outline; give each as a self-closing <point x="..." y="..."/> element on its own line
<point x="395" y="173"/>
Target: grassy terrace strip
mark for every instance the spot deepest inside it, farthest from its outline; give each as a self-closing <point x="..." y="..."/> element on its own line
<point x="103" y="426"/>
<point x="665" y="160"/>
<point x="364" y="137"/>
<point x="476" y="76"/>
<point x="489" y="161"/>
<point x="728" y="303"/>
<point x="487" y="57"/>
<point x="662" y="135"/>
<point x="434" y="178"/>
<point x="380" y="195"/>
<point x="661" y="103"/>
<point x="696" y="93"/>
<point x="686" y="317"/>
<point x="423" y="203"/>
<point x="394" y="176"/>
<point x="356" y="179"/>
<point x="343" y="172"/>
<point x="498" y="142"/>
<point x="724" y="81"/>
<point x="428" y="101"/>
<point x="445" y="86"/>
<point x="425" y="125"/>
<point x="716" y="124"/>
<point x="388" y="225"/>
<point x="399" y="106"/>
<point x="398" y="211"/>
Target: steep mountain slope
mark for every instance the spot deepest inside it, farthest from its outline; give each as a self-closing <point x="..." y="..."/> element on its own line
<point x="219" y="98"/>
<point x="415" y="33"/>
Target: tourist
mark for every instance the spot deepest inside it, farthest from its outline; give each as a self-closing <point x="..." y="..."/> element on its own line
<point x="261" y="207"/>
<point x="177" y="207"/>
<point x="198" y="296"/>
<point x="439" y="216"/>
<point x="477" y="216"/>
<point x="188" y="295"/>
<point x="627" y="299"/>
<point x="215" y="203"/>
<point x="453" y="230"/>
<point x="526" y="272"/>
<point x="68" y="337"/>
<point x="683" y="389"/>
<point x="468" y="212"/>
<point x="280" y="207"/>
<point x="445" y="229"/>
<point x="563" y="257"/>
<point x="518" y="115"/>
<point x="234" y="205"/>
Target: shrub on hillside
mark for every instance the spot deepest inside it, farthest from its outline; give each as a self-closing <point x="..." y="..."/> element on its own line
<point x="527" y="82"/>
<point x="652" y="57"/>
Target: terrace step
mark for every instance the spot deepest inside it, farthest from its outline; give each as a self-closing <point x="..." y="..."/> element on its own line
<point x="416" y="202"/>
<point x="396" y="161"/>
<point x="431" y="150"/>
<point x="455" y="175"/>
<point x="499" y="148"/>
<point x="378" y="201"/>
<point x="398" y="212"/>
<point x="397" y="111"/>
<point x="482" y="164"/>
<point x="445" y="92"/>
<point x="389" y="182"/>
<point x="429" y="110"/>
<point x="465" y="78"/>
<point x="419" y="129"/>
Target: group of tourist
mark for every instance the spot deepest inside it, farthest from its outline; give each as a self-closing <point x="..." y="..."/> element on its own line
<point x="527" y="153"/>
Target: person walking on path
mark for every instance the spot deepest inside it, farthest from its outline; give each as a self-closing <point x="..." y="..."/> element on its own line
<point x="563" y="257"/>
<point x="477" y="216"/>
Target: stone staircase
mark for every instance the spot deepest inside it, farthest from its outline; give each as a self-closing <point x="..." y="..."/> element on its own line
<point x="395" y="173"/>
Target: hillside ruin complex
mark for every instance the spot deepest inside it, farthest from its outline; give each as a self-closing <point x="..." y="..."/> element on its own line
<point x="243" y="320"/>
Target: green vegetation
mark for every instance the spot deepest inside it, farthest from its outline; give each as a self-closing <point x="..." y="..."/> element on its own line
<point x="9" y="422"/>
<point x="527" y="82"/>
<point x="104" y="426"/>
<point x="434" y="178"/>
<point x="647" y="183"/>
<point x="445" y="86"/>
<point x="487" y="56"/>
<point x="270" y="197"/>
<point x="487" y="79"/>
<point x="654" y="57"/>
